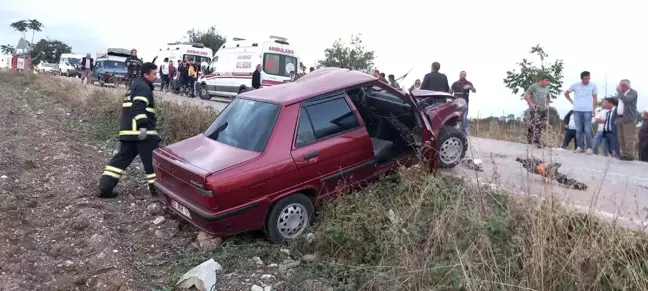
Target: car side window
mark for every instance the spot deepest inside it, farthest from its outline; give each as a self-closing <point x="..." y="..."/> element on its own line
<point x="99" y="64"/>
<point x="324" y="119"/>
<point x="304" y="129"/>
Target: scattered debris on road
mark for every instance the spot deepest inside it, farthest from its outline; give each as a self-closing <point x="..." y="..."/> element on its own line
<point x="473" y="164"/>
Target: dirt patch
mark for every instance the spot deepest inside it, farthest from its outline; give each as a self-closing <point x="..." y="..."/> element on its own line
<point x="56" y="234"/>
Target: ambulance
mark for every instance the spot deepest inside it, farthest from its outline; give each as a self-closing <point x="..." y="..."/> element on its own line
<point x="179" y="51"/>
<point x="230" y="71"/>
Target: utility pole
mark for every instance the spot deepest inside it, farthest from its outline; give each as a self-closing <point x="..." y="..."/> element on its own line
<point x="606" y="85"/>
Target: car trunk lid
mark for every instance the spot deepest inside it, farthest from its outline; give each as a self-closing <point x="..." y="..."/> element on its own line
<point x="185" y="166"/>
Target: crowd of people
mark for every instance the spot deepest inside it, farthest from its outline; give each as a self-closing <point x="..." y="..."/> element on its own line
<point x="437" y="81"/>
<point x="616" y="120"/>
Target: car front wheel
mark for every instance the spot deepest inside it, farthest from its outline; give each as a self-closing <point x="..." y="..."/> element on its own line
<point x="451" y="147"/>
<point x="289" y="218"/>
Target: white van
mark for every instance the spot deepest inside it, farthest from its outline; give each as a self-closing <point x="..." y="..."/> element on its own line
<point x="69" y="65"/>
<point x="177" y="51"/>
<point x="230" y="71"/>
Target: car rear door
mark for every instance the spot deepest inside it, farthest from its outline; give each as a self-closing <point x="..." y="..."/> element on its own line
<point x="332" y="146"/>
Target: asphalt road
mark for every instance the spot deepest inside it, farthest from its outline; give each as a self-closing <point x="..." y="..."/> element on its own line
<point x="617" y="190"/>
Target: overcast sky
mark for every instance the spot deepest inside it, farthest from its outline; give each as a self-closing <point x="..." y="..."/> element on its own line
<point x="484" y="38"/>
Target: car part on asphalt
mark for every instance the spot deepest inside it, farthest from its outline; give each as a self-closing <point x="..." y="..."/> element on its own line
<point x="473" y="164"/>
<point x="537" y="166"/>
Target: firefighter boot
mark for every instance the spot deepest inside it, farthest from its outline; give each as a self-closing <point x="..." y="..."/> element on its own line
<point x="102" y="193"/>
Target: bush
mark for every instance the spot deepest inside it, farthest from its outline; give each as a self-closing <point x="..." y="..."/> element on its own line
<point x="102" y="107"/>
<point x="428" y="232"/>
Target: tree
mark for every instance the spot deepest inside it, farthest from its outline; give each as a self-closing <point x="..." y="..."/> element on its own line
<point x="352" y="55"/>
<point x="34" y="25"/>
<point x="20" y="26"/>
<point x="519" y="81"/>
<point x="210" y="38"/>
<point x="8" y="50"/>
<point x="49" y="51"/>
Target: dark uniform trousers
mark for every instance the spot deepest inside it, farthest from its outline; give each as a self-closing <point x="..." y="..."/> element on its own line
<point x="138" y="112"/>
<point x="128" y="150"/>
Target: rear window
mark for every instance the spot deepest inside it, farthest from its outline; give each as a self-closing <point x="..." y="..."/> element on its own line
<point x="279" y="65"/>
<point x="245" y="124"/>
<point x="114" y="65"/>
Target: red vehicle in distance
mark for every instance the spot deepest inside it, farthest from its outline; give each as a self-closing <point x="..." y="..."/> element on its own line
<point x="274" y="153"/>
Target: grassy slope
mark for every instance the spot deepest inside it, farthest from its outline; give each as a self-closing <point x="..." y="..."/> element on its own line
<point x="421" y="232"/>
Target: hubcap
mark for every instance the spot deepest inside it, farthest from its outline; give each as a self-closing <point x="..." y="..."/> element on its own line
<point x="450" y="151"/>
<point x="292" y="221"/>
<point x="203" y="91"/>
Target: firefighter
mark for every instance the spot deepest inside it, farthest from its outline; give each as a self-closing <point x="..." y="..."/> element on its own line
<point x="137" y="133"/>
<point x="133" y="64"/>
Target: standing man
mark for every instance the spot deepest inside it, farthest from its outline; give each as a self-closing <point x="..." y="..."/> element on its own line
<point x="643" y="137"/>
<point x="164" y="75"/>
<point x="584" y="102"/>
<point x="382" y="78"/>
<point x="537" y="96"/>
<point x="610" y="134"/>
<point x="627" y="117"/>
<point x="87" y="67"/>
<point x="599" y="119"/>
<point x="435" y="81"/>
<point x="133" y="64"/>
<point x="392" y="81"/>
<point x="256" y="77"/>
<point x="172" y="72"/>
<point x="417" y="85"/>
<point x="570" y="130"/>
<point x="461" y="89"/>
<point x="137" y="133"/>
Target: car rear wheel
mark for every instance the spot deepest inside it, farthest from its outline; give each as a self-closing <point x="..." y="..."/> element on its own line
<point x="289" y="218"/>
<point x="451" y="147"/>
<point x="203" y="93"/>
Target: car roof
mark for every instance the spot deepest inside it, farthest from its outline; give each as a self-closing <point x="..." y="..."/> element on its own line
<point x="318" y="82"/>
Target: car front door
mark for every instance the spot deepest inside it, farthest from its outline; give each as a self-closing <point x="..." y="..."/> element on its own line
<point x="426" y="147"/>
<point x="332" y="147"/>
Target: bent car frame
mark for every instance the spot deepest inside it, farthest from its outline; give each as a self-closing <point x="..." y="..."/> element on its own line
<point x="273" y="154"/>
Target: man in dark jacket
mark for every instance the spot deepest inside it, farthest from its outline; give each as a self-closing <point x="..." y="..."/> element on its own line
<point x="435" y="81"/>
<point x="87" y="67"/>
<point x="137" y="133"/>
<point x="133" y="64"/>
<point x="643" y="137"/>
<point x="256" y="78"/>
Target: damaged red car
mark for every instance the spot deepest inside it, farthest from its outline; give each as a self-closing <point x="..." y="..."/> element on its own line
<point x="274" y="153"/>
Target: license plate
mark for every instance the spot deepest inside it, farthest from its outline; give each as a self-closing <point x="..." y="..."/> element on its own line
<point x="179" y="207"/>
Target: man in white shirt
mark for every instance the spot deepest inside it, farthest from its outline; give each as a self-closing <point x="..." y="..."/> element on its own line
<point x="598" y="137"/>
<point x="584" y="102"/>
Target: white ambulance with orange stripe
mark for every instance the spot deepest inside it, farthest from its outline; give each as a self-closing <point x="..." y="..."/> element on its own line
<point x="230" y="71"/>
